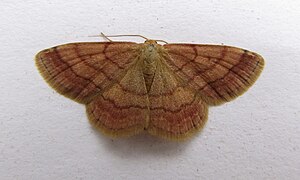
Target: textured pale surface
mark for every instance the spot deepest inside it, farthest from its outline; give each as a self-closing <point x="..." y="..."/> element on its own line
<point x="43" y="135"/>
<point x="161" y="89"/>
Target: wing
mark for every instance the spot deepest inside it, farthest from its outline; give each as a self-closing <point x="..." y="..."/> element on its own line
<point x="79" y="71"/>
<point x="218" y="73"/>
<point x="176" y="112"/>
<point x="122" y="110"/>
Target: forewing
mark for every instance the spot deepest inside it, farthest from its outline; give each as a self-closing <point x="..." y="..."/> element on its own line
<point x="218" y="73"/>
<point x="81" y="70"/>
<point x="176" y="112"/>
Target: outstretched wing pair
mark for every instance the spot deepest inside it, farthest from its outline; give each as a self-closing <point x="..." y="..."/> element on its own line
<point x="106" y="77"/>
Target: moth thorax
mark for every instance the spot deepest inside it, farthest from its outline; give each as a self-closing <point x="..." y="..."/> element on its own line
<point x="149" y="68"/>
<point x="150" y="61"/>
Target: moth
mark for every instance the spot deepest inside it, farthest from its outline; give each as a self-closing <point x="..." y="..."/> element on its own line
<point x="165" y="90"/>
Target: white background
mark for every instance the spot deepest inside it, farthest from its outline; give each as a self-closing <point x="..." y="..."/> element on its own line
<point x="46" y="136"/>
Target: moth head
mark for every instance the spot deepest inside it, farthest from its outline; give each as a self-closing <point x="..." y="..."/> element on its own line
<point x="149" y="41"/>
<point x="151" y="46"/>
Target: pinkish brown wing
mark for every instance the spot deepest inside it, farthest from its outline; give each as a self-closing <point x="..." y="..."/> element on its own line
<point x="79" y="71"/>
<point x="218" y="73"/>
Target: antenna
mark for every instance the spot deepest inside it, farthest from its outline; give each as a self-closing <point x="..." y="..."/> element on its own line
<point x="122" y="35"/>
